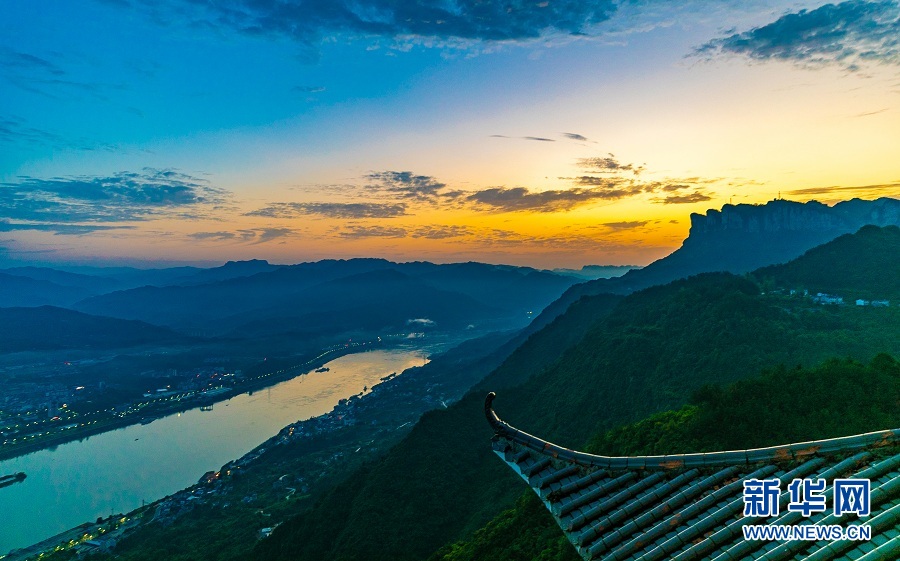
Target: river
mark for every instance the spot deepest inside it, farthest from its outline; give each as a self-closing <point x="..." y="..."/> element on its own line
<point x="115" y="471"/>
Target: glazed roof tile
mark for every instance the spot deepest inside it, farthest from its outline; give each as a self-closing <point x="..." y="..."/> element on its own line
<point x="690" y="506"/>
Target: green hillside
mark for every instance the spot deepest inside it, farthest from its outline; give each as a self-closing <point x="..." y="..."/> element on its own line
<point x="861" y="265"/>
<point x="799" y="405"/>
<point x="653" y="351"/>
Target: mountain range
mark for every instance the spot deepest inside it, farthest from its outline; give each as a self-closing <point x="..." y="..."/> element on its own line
<point x="632" y="356"/>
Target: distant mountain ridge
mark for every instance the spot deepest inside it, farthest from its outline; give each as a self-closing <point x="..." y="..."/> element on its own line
<point x="370" y="293"/>
<point x="49" y="328"/>
<point x="17" y="290"/>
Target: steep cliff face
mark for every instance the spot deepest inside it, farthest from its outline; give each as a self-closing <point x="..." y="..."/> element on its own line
<point x="742" y="238"/>
<point x="781" y="216"/>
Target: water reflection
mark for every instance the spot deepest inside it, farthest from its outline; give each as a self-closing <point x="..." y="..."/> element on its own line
<point x="115" y="471"/>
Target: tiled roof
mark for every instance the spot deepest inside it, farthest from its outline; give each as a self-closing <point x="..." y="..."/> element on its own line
<point x="691" y="506"/>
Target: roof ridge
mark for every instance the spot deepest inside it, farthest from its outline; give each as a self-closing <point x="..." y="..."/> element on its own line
<point x="786" y="452"/>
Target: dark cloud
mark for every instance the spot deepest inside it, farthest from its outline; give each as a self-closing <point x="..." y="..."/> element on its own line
<point x="608" y="164"/>
<point x="441" y="232"/>
<point x="669" y="187"/>
<point x="57" y="228"/>
<point x="218" y="236"/>
<point x="895" y="187"/>
<point x="253" y="235"/>
<point x="359" y="231"/>
<point x="406" y="184"/>
<point x="44" y="75"/>
<point x="503" y="199"/>
<point x="575" y="136"/>
<point x="309" y="89"/>
<point x="697" y="197"/>
<point x="870" y="113"/>
<point x="432" y="232"/>
<point x="331" y="210"/>
<point x="497" y="238"/>
<point x="632" y="225"/>
<point x="15" y="130"/>
<point x="848" y="34"/>
<point x="309" y="21"/>
<point x="16" y="59"/>
<point x="534" y="138"/>
<point x="123" y="197"/>
<point x="264" y="235"/>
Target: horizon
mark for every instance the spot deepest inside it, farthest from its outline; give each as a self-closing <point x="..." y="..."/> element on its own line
<point x="547" y="134"/>
<point x="98" y="262"/>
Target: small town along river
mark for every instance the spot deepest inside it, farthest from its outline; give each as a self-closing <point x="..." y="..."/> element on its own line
<point x="115" y="471"/>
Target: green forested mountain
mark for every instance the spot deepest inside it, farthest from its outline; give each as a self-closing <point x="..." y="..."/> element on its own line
<point x="649" y="353"/>
<point x="838" y="398"/>
<point x="861" y="265"/>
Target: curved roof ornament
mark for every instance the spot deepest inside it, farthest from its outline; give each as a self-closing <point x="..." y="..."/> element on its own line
<point x="787" y="452"/>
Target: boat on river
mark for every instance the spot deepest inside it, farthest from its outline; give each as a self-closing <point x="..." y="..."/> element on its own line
<point x="7" y="480"/>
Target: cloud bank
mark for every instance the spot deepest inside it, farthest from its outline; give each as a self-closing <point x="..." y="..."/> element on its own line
<point x="849" y="34"/>
<point x="309" y="21"/>
<point x="60" y="204"/>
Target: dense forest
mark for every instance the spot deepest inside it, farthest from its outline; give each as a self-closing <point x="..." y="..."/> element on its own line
<point x="838" y="398"/>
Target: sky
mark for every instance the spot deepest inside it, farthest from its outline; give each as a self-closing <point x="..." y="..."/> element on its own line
<point x="548" y="133"/>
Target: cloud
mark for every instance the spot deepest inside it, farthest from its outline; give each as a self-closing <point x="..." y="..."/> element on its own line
<point x="608" y="164"/>
<point x="838" y="189"/>
<point x="43" y="75"/>
<point x="16" y="59"/>
<point x="611" y="180"/>
<point x="15" y="130"/>
<point x="122" y="197"/>
<point x="423" y="322"/>
<point x="218" y="236"/>
<point x="357" y="231"/>
<point x="632" y="225"/>
<point x="870" y="113"/>
<point x="511" y="199"/>
<point x="308" y="22"/>
<point x="848" y="34"/>
<point x="405" y="184"/>
<point x="253" y="235"/>
<point x="575" y="136"/>
<point x="308" y="89"/>
<point x="264" y="235"/>
<point x="589" y="189"/>
<point x="534" y="138"/>
<point x="331" y="210"/>
<point x="57" y="228"/>
<point x="436" y="232"/>
<point x="697" y="197"/>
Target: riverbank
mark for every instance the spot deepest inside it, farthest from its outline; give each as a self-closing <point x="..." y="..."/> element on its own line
<point x="119" y="470"/>
<point x="178" y="403"/>
<point x="225" y="511"/>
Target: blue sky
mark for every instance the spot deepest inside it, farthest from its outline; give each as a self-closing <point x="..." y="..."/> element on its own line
<point x="544" y="133"/>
